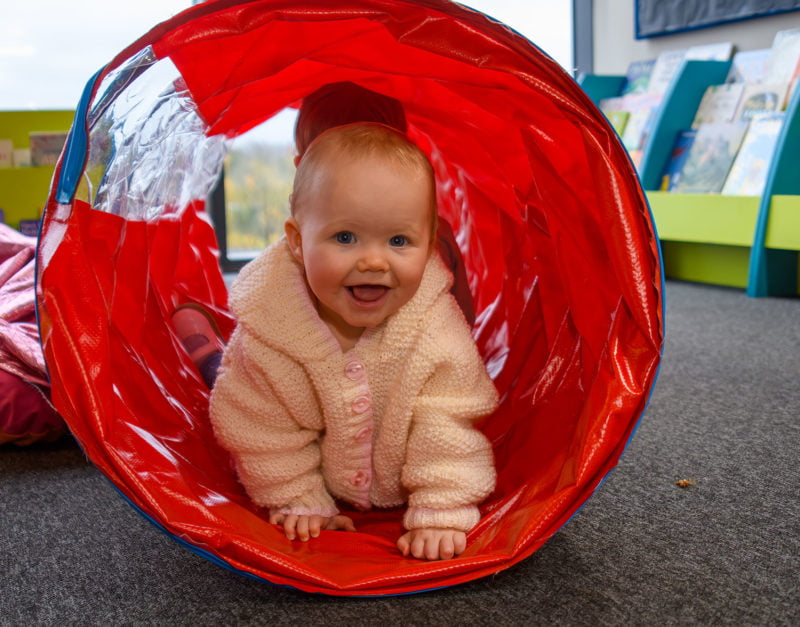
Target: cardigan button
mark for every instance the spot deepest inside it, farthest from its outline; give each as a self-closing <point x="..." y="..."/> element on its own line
<point x="361" y="404"/>
<point x="354" y="370"/>
<point x="363" y="434"/>
<point x="359" y="479"/>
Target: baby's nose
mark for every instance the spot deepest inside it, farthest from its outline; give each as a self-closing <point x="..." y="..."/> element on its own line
<point x="373" y="262"/>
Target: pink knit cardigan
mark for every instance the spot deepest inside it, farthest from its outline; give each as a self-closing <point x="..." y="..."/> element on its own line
<point x="389" y="421"/>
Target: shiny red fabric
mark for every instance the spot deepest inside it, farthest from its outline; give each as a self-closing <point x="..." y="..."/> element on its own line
<point x="557" y="239"/>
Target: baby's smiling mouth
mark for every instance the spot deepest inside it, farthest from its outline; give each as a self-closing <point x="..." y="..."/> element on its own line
<point x="368" y="293"/>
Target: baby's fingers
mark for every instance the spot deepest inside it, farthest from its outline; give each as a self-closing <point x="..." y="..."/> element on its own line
<point x="446" y="548"/>
<point x="276" y="519"/>
<point x="290" y="526"/>
<point x="302" y="528"/>
<point x="460" y="542"/>
<point x="404" y="545"/>
<point x="345" y="523"/>
<point x="315" y="525"/>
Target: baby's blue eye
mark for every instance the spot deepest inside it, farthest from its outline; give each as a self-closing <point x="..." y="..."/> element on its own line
<point x="345" y="237"/>
<point x="398" y="240"/>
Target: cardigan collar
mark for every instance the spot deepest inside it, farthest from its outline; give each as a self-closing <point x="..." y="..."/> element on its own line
<point x="271" y="299"/>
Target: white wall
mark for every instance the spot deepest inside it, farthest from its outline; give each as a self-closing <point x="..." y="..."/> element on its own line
<point x="615" y="45"/>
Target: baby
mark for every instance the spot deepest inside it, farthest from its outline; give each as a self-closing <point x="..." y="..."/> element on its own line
<point x="352" y="373"/>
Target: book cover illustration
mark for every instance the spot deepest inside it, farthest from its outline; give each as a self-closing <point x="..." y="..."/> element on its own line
<point x="748" y="173"/>
<point x="759" y="98"/>
<point x="721" y="51"/>
<point x="643" y="108"/>
<point x="749" y="66"/>
<point x="664" y="69"/>
<point x="719" y="104"/>
<point x="618" y="119"/>
<point x="710" y="158"/>
<point x="6" y="153"/>
<point x="677" y="159"/>
<point x="46" y="147"/>
<point x="637" y="78"/>
<point x="784" y="57"/>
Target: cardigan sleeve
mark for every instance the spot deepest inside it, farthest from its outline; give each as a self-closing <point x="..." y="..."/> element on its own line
<point x="277" y="458"/>
<point x="449" y="466"/>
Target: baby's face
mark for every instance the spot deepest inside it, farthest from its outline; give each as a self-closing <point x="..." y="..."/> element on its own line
<point x="364" y="240"/>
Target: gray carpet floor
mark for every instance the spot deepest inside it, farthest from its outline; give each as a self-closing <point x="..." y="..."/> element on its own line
<point x="725" y="414"/>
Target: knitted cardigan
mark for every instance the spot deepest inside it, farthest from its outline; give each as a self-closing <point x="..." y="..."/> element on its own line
<point x="389" y="421"/>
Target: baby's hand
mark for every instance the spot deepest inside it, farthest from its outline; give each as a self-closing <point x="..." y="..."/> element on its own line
<point x="305" y="527"/>
<point x="432" y="544"/>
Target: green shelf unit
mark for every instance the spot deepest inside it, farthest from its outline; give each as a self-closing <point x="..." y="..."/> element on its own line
<point x="715" y="264"/>
<point x="747" y="242"/>
<point x="705" y="218"/>
<point x="23" y="191"/>
<point x="783" y="227"/>
<point x="774" y="260"/>
<point x="599" y="86"/>
<point x="705" y="237"/>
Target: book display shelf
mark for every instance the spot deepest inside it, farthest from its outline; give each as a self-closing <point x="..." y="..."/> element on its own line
<point x="23" y="190"/>
<point x="751" y="242"/>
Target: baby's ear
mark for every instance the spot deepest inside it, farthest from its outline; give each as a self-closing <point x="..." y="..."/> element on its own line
<point x="292" y="229"/>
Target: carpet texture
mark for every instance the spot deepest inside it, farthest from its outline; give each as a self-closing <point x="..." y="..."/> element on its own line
<point x="725" y="416"/>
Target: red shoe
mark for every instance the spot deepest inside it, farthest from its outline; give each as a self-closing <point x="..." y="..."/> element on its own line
<point x="197" y="331"/>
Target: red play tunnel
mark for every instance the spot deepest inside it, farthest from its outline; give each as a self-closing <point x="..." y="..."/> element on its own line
<point x="556" y="234"/>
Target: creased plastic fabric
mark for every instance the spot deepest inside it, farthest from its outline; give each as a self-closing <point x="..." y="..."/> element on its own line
<point x="556" y="234"/>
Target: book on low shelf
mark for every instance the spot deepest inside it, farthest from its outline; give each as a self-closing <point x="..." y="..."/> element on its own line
<point x="637" y="77"/>
<point x="748" y="173"/>
<point x="719" y="51"/>
<point x="784" y="57"/>
<point x="677" y="159"/>
<point x="758" y="98"/>
<point x="618" y="119"/>
<point x="6" y="153"/>
<point x="719" y="104"/>
<point x="710" y="158"/>
<point x="640" y="109"/>
<point x="46" y="146"/>
<point x="749" y="66"/>
<point x="664" y="69"/>
<point x="22" y="158"/>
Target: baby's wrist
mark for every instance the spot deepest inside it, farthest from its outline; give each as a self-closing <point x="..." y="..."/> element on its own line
<point x="461" y="518"/>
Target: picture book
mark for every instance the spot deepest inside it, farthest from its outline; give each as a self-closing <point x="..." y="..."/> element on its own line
<point x="749" y="66"/>
<point x="664" y="69"/>
<point x="760" y="98"/>
<point x="6" y="153"/>
<point x="710" y="158"/>
<point x="617" y="103"/>
<point x="641" y="110"/>
<point x="784" y="56"/>
<point x="637" y="78"/>
<point x="21" y="158"/>
<point x="721" y="51"/>
<point x="635" y="132"/>
<point x="46" y="147"/>
<point x="618" y="119"/>
<point x="719" y="104"/>
<point x="749" y="170"/>
<point x="677" y="159"/>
